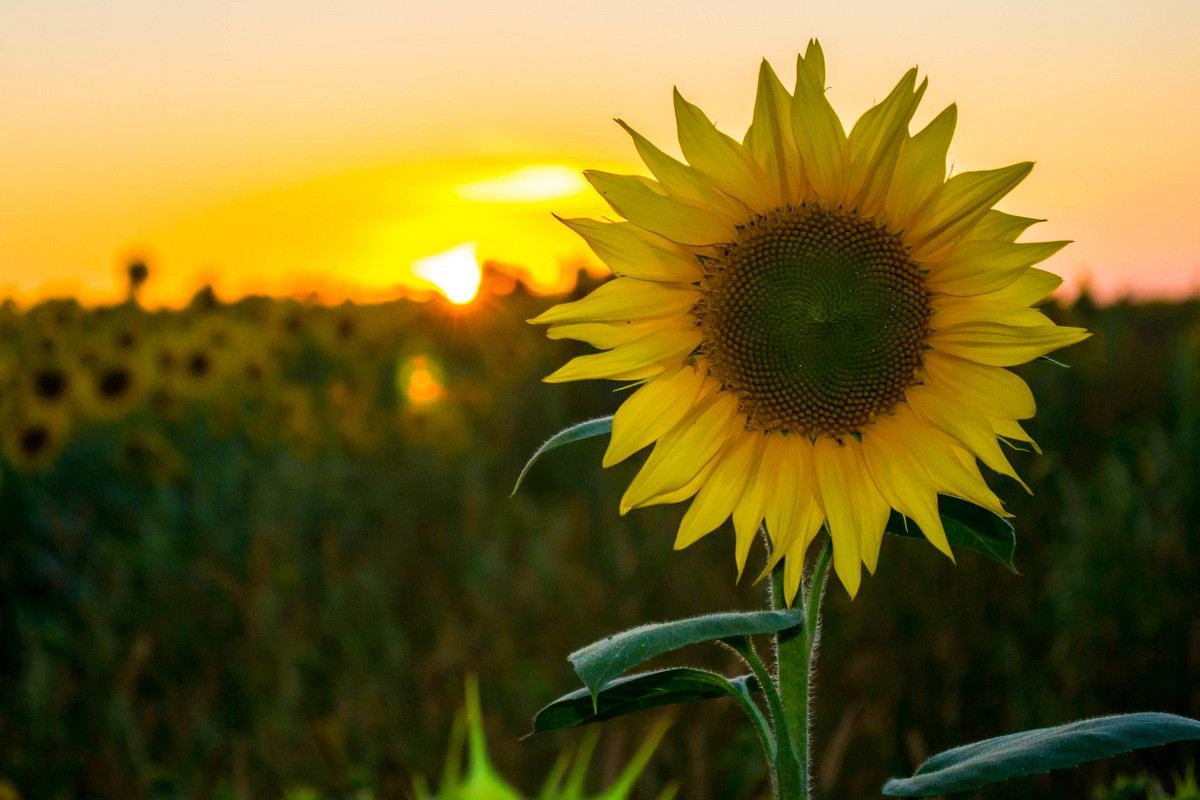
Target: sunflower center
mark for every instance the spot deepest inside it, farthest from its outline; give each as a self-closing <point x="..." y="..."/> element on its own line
<point x="817" y="318"/>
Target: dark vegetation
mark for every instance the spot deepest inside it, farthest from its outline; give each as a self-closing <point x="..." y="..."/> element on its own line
<point x="238" y="559"/>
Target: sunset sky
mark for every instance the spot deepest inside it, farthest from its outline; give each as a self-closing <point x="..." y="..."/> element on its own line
<point x="296" y="146"/>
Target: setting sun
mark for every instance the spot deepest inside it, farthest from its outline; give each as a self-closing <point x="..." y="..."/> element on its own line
<point x="455" y="272"/>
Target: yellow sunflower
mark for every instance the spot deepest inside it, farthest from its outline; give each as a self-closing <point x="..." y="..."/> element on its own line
<point x="820" y="321"/>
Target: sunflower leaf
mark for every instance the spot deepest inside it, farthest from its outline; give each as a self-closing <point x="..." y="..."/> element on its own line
<point x="575" y="433"/>
<point x="637" y="692"/>
<point x="601" y="661"/>
<point x="968" y="526"/>
<point x="1032" y="752"/>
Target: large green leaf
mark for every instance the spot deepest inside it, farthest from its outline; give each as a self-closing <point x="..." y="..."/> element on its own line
<point x="601" y="661"/>
<point x="577" y="432"/>
<point x="637" y="692"/>
<point x="1032" y="752"/>
<point x="969" y="526"/>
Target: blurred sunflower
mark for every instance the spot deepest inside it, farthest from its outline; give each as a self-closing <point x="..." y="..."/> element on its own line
<point x="820" y="322"/>
<point x="33" y="437"/>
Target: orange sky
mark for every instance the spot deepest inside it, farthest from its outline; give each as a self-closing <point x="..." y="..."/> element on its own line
<point x="298" y="145"/>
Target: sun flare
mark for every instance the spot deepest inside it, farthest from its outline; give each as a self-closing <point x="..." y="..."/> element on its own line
<point x="455" y="272"/>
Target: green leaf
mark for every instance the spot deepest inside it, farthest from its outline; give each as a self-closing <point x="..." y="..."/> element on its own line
<point x="576" y="433"/>
<point x="1032" y="752"/>
<point x="969" y="526"/>
<point x="601" y="661"/>
<point x="637" y="692"/>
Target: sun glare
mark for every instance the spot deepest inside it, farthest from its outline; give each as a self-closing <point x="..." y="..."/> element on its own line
<point x="527" y="185"/>
<point x="418" y="378"/>
<point x="454" y="271"/>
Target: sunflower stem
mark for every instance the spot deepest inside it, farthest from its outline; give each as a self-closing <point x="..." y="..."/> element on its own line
<point x="795" y="658"/>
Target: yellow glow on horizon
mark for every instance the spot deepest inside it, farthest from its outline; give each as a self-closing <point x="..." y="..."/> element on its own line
<point x="538" y="184"/>
<point x="455" y="272"/>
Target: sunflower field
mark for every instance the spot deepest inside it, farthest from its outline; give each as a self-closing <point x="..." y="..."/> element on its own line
<point x="252" y="549"/>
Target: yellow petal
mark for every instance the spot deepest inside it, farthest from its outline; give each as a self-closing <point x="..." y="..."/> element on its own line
<point x="999" y="225"/>
<point x="680" y="454"/>
<point x="952" y="469"/>
<point x="685" y="181"/>
<point x="902" y="481"/>
<point x="1003" y="345"/>
<point x="676" y="218"/>
<point x="960" y="204"/>
<point x="1033" y="285"/>
<point x="719" y="157"/>
<point x="949" y="311"/>
<point x="770" y="139"/>
<point x="607" y="335"/>
<point x="624" y="300"/>
<point x="836" y="470"/>
<point x="633" y="361"/>
<point x="992" y="391"/>
<point x="964" y="426"/>
<point x="920" y="170"/>
<point x="1011" y="429"/>
<point x="874" y="144"/>
<point x="820" y="137"/>
<point x="793" y="516"/>
<point x="632" y="252"/>
<point x="716" y="499"/>
<point x="682" y="493"/>
<point x="750" y="508"/>
<point x="650" y="412"/>
<point x="977" y="267"/>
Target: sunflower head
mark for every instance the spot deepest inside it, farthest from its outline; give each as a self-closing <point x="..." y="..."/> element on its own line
<point x="820" y="322"/>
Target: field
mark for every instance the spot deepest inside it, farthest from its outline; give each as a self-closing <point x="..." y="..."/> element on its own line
<point x="253" y="549"/>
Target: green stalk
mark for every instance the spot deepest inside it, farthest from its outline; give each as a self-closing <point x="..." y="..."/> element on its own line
<point x="794" y="656"/>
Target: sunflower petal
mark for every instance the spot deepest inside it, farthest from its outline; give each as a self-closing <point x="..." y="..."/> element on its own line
<point x="903" y="481"/>
<point x="952" y="469"/>
<point x="1000" y="345"/>
<point x="717" y="498"/>
<point x="632" y="252"/>
<point x="963" y="425"/>
<point x="999" y="225"/>
<point x="750" y="508"/>
<point x="676" y="218"/>
<point x="818" y="132"/>
<point x="652" y="411"/>
<point x="920" y="170"/>
<point x="624" y="300"/>
<point x="683" y="180"/>
<point x="770" y="140"/>
<point x="874" y="144"/>
<point x="992" y="391"/>
<point x="962" y="202"/>
<point x="1033" y="285"/>
<point x="1011" y="429"/>
<point x="607" y="335"/>
<point x="680" y="454"/>
<point x="836" y="469"/>
<point x="719" y="157"/>
<point x="978" y="267"/>
<point x="633" y="361"/>
<point x="949" y="311"/>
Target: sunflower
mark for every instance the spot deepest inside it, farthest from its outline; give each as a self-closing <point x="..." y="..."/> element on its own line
<point x="819" y="322"/>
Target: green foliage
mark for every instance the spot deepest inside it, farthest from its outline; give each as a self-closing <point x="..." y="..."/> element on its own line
<point x="575" y="433"/>
<point x="482" y="782"/>
<point x="967" y="526"/>
<point x="1031" y="752"/>
<point x="638" y="692"/>
<point x="601" y="661"/>
<point x="200" y="601"/>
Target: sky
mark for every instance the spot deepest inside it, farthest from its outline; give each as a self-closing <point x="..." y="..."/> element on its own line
<point x="313" y="146"/>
